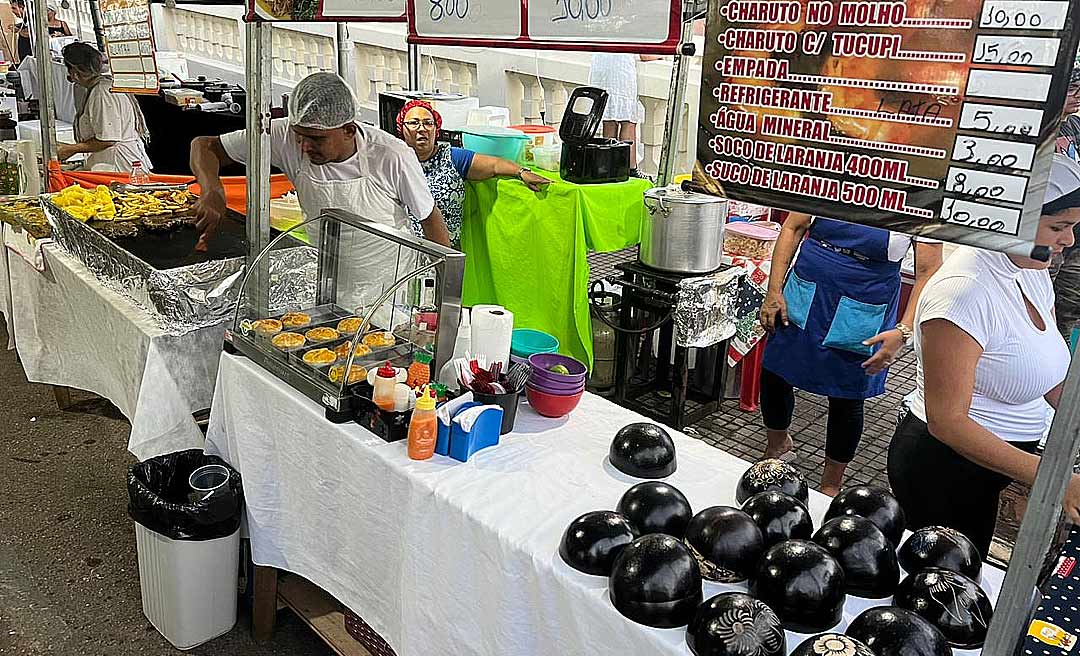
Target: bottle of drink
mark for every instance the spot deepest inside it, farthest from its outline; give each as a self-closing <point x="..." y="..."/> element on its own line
<point x="424" y="427"/>
<point x="385" y="380"/>
<point x="139" y="176"/>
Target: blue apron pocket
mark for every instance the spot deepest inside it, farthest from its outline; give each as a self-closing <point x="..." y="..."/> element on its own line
<point x="799" y="296"/>
<point x="853" y="324"/>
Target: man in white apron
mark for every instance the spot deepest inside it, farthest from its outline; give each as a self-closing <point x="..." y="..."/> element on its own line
<point x="334" y="162"/>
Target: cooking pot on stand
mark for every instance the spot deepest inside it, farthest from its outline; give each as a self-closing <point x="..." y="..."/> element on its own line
<point x="682" y="231"/>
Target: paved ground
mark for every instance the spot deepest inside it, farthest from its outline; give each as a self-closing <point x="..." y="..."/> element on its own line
<point x="69" y="580"/>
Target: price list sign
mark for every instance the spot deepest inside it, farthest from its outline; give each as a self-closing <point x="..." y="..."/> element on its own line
<point x="356" y="11"/>
<point x="929" y="117"/>
<point x="638" y="26"/>
<point x="129" y="42"/>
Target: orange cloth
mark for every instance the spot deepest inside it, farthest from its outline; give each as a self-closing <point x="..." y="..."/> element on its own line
<point x="235" y="187"/>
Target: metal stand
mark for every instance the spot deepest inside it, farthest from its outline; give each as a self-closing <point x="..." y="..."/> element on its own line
<point x="1015" y="603"/>
<point x="99" y="31"/>
<point x="677" y="96"/>
<point x="258" y="65"/>
<point x="344" y="46"/>
<point x="40" y="30"/>
<point x="414" y="57"/>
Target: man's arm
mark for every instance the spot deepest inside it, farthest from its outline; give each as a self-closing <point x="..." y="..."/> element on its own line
<point x="65" y="151"/>
<point x="435" y="228"/>
<point x="207" y="157"/>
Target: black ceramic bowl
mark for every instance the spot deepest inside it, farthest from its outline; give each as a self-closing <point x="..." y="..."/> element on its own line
<point x="771" y="474"/>
<point x="591" y="542"/>
<point x="779" y="516"/>
<point x="832" y="644"/>
<point x="735" y="624"/>
<point x="656" y="582"/>
<point x="867" y="556"/>
<point x="643" y="450"/>
<point x="726" y="543"/>
<point x="656" y="507"/>
<point x="937" y="546"/>
<point x="803" y="584"/>
<point x="952" y="602"/>
<point x="874" y="503"/>
<point x="892" y="631"/>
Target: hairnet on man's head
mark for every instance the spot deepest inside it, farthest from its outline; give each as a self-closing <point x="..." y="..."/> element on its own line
<point x="322" y="101"/>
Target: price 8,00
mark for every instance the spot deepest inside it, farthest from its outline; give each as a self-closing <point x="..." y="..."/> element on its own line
<point x="447" y="9"/>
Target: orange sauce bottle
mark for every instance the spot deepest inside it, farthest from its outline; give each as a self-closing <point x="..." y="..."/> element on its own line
<point x="424" y="427"/>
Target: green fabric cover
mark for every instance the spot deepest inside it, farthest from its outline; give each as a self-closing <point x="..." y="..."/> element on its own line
<point x="527" y="251"/>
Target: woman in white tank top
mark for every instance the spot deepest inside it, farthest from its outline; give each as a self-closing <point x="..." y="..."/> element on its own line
<point x="990" y="359"/>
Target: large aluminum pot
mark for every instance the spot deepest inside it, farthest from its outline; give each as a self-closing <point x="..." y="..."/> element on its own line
<point x="683" y="231"/>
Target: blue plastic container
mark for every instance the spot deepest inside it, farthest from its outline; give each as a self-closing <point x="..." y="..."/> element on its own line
<point x="525" y="342"/>
<point x="497" y="142"/>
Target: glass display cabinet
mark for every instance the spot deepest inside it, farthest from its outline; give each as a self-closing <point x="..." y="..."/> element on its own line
<point x="332" y="299"/>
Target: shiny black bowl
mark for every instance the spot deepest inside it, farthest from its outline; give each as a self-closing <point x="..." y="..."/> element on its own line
<point x="803" y="584"/>
<point x="656" y="507"/>
<point x="735" y="624"/>
<point x="952" y="602"/>
<point x="938" y="546"/>
<point x="779" y="516"/>
<point x="591" y="542"/>
<point x="643" y="450"/>
<point x="832" y="644"/>
<point x="874" y="503"/>
<point x="726" y="543"/>
<point x="867" y="556"/>
<point x="655" y="581"/>
<point x="892" y="631"/>
<point x="771" y="474"/>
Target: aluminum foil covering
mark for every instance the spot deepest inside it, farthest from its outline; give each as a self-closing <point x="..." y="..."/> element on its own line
<point x="180" y="300"/>
<point x="294" y="278"/>
<point x="705" y="311"/>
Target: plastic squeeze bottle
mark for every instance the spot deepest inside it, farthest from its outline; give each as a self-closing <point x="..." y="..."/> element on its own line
<point x="424" y="427"/>
<point x="385" y="380"/>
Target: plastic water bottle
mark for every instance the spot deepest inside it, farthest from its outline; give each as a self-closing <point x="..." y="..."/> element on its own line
<point x="139" y="176"/>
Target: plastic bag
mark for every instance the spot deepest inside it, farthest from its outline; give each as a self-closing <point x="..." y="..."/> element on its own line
<point x="158" y="498"/>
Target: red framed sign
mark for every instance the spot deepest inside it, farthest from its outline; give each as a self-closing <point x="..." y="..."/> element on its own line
<point x="350" y="11"/>
<point x="636" y="26"/>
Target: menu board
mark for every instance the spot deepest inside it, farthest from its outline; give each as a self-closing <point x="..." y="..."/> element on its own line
<point x="129" y="42"/>
<point x="929" y="117"/>
<point x="356" y="11"/>
<point x="639" y="26"/>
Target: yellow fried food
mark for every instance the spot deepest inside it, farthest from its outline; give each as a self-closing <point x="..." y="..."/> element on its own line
<point x="321" y="334"/>
<point x="285" y="341"/>
<point x="319" y="356"/>
<point x="342" y="350"/>
<point x="84" y="204"/>
<point x="267" y="326"/>
<point x="356" y="373"/>
<point x="350" y="325"/>
<point x="379" y="338"/>
<point x="133" y="205"/>
<point x="295" y="319"/>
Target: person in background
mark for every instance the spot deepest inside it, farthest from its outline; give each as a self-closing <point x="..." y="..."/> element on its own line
<point x="21" y="28"/>
<point x="989" y="361"/>
<point x="56" y="26"/>
<point x="839" y="302"/>
<point x="1065" y="270"/>
<point x="109" y="127"/>
<point x="446" y="167"/>
<point x="616" y="73"/>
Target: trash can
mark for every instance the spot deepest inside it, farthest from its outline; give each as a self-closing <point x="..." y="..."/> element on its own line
<point x="187" y="508"/>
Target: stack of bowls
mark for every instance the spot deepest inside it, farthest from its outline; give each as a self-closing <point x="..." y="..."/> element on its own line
<point x="555" y="394"/>
<point x="527" y="342"/>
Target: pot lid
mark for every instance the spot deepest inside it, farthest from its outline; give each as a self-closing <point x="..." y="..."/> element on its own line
<point x="675" y="194"/>
<point x="753" y="229"/>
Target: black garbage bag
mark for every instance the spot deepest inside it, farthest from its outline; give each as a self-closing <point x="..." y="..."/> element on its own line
<point x="158" y="494"/>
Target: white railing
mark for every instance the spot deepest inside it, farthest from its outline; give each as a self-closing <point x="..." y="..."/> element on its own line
<point x="535" y="85"/>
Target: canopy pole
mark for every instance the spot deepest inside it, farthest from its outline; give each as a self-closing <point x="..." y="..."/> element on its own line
<point x="676" y="97"/>
<point x="99" y="31"/>
<point x="258" y="69"/>
<point x="343" y="47"/>
<point x="414" y="58"/>
<point x="45" y="89"/>
<point x="1014" y="604"/>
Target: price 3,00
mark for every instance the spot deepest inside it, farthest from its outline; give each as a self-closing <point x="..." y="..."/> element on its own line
<point x="583" y="9"/>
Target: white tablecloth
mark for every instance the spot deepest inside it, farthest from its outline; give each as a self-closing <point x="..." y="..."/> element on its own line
<point x="5" y="290"/>
<point x="70" y="330"/>
<point x="442" y="557"/>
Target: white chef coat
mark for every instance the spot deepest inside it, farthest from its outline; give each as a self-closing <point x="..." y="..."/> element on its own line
<point x="108" y="116"/>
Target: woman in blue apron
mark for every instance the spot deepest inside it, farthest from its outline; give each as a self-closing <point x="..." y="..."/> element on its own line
<point x="834" y="328"/>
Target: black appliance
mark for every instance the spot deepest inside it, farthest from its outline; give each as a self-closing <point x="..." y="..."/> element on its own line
<point x="586" y="158"/>
<point x="390" y="105"/>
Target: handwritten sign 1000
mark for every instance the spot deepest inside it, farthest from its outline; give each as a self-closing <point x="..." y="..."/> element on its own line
<point x="922" y="116"/>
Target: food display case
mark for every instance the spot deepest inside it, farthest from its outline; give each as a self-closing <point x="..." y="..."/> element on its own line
<point x="366" y="294"/>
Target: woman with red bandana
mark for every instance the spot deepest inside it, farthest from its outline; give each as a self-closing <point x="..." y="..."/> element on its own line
<point x="447" y="167"/>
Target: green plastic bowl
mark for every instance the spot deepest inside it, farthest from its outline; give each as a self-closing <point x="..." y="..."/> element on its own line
<point x="525" y="342"/>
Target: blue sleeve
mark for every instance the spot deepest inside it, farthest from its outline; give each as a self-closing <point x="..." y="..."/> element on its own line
<point x="462" y="160"/>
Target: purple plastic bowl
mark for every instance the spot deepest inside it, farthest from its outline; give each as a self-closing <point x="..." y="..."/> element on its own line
<point x="556" y="389"/>
<point x="543" y="362"/>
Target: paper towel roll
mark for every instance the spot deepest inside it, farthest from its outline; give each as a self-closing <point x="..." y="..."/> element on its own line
<point x="492" y="330"/>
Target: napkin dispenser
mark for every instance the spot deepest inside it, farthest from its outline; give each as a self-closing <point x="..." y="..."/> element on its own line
<point x="587" y="159"/>
<point x="459" y="442"/>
